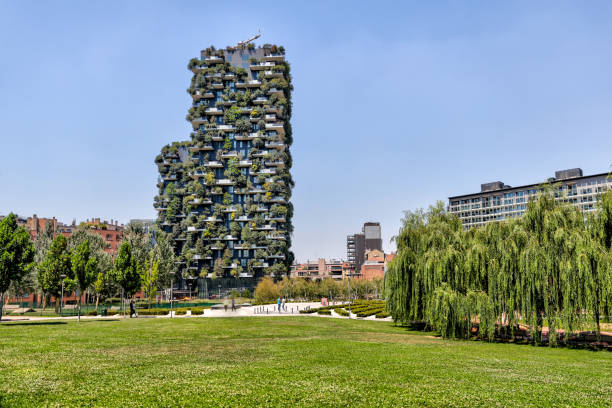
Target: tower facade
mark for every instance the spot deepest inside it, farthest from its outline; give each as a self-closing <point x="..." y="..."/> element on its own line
<point x="224" y="194"/>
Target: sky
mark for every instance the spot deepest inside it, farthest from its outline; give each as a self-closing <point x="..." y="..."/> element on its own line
<point x="396" y="104"/>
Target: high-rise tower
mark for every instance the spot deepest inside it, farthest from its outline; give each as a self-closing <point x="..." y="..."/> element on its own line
<point x="224" y="195"/>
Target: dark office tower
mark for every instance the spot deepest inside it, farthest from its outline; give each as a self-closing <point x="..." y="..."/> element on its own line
<point x="224" y="194"/>
<point x="373" y="239"/>
<point x="355" y="250"/>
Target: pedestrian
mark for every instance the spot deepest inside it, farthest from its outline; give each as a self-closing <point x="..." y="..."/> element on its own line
<point x="279" y="305"/>
<point x="225" y="304"/>
<point x="284" y="307"/>
<point x="233" y="305"/>
<point x="132" y="308"/>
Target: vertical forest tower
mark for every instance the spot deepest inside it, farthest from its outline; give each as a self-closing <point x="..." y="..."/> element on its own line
<point x="224" y="194"/>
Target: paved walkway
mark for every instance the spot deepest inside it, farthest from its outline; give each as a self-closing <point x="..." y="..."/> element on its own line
<point x="291" y="309"/>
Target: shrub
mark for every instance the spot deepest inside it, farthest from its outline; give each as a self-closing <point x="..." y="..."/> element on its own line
<point x="324" y="311"/>
<point x="382" y="315"/>
<point x="266" y="291"/>
<point x="91" y="313"/>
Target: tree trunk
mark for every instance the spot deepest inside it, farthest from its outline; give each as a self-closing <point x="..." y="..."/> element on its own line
<point x="97" y="301"/>
<point x="1" y="304"/>
<point x="57" y="305"/>
<point x="79" y="318"/>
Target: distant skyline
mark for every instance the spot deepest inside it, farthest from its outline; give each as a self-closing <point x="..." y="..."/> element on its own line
<point x="395" y="106"/>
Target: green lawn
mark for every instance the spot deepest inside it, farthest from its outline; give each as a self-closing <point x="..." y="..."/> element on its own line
<point x="293" y="361"/>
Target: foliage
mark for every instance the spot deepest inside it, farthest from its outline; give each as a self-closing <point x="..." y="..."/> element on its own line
<point x="266" y="291"/>
<point x="16" y="254"/>
<point x="548" y="268"/>
<point x="127" y="270"/>
<point x="56" y="264"/>
<point x="84" y="268"/>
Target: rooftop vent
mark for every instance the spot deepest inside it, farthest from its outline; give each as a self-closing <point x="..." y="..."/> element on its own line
<point x="567" y="174"/>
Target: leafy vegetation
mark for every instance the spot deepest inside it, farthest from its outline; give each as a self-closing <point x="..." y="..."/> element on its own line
<point x="552" y="267"/>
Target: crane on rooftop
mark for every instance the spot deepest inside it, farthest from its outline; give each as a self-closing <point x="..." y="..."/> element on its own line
<point x="244" y="43"/>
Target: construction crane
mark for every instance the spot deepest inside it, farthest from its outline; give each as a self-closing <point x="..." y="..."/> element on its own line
<point x="244" y="43"/>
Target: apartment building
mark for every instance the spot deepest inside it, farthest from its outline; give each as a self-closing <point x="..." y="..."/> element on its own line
<point x="321" y="269"/>
<point x="498" y="201"/>
<point x="224" y="195"/>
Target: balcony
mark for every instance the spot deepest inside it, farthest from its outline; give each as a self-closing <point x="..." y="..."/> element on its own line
<point x="273" y="74"/>
<point x="250" y="136"/>
<point x="229" y="76"/>
<point x="274" y="57"/>
<point x="278" y="163"/>
<point x="276" y="126"/>
<point x="198" y="173"/>
<point x="226" y="128"/>
<point x="198" y="121"/>
<point x="196" y="201"/>
<point x="214" y="111"/>
<point x="229" y="155"/>
<point x="225" y="182"/>
<point x="273" y="91"/>
<point x="213" y="163"/>
<point x="217" y="85"/>
<point x="270" y="117"/>
<point x="202" y="95"/>
<point x="275" y="145"/>
<point x="253" y="83"/>
<point x="245" y="163"/>
<point x="265" y="172"/>
<point x="278" y="237"/>
<point x="261" y="100"/>
<point x="278" y="199"/>
<point x="261" y="66"/>
<point x="213" y="59"/>
<point x="204" y="147"/>
<point x="262" y="153"/>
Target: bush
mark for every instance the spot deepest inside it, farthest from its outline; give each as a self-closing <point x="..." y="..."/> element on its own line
<point x="246" y="294"/>
<point x="308" y="311"/>
<point x="91" y="313"/>
<point x="382" y="315"/>
<point x="341" y="311"/>
<point x="324" y="311"/>
<point x="266" y="291"/>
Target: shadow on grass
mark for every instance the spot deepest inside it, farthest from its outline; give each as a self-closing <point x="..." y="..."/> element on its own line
<point x="25" y="323"/>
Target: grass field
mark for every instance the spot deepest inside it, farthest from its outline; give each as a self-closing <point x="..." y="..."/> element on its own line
<point x="293" y="361"/>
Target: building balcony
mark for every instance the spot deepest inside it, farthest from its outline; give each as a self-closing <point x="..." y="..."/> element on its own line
<point x="278" y="199"/>
<point x="266" y="227"/>
<point x="204" y="147"/>
<point x="274" y="58"/>
<point x="161" y="208"/>
<point x="213" y="59"/>
<point x="275" y="145"/>
<point x="278" y="163"/>
<point x="217" y="85"/>
<point x="229" y="155"/>
<point x="261" y="100"/>
<point x="197" y="174"/>
<point x="225" y="182"/>
<point x="278" y="256"/>
<point x="171" y="177"/>
<point x="245" y="163"/>
<point x="214" y="111"/>
<point x="262" y="153"/>
<point x="255" y="83"/>
<point x="198" y="121"/>
<point x="229" y="76"/>
<point x="276" y="91"/>
<point x="197" y="201"/>
<point x="213" y="163"/>
<point x="250" y="136"/>
<point x="265" y="172"/>
<point x="270" y="117"/>
<point x="226" y="128"/>
<point x="273" y="74"/>
<point x="277" y="237"/>
<point x="276" y="126"/>
<point x="202" y="95"/>
<point x="261" y="66"/>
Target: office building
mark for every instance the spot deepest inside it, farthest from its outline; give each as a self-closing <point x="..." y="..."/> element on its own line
<point x="358" y="244"/>
<point x="224" y="194"/>
<point x="498" y="201"/>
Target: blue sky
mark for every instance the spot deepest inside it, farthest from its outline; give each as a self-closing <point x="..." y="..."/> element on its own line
<point x="396" y="105"/>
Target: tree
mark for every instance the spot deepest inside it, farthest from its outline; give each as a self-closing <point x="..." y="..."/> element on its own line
<point x="85" y="269"/>
<point x="266" y="291"/>
<point x="16" y="254"/>
<point x="56" y="265"/>
<point x="163" y="252"/>
<point x="41" y="247"/>
<point x="149" y="278"/>
<point x="127" y="271"/>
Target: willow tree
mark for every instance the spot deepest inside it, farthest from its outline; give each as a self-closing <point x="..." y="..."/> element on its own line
<point x="551" y="267"/>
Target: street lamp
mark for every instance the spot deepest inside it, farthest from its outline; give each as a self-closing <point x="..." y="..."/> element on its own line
<point x="171" y="294"/>
<point x="62" y="277"/>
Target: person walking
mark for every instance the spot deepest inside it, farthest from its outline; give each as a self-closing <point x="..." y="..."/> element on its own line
<point x="283" y="305"/>
<point x="132" y="308"/>
<point x="279" y="304"/>
<point x="225" y="304"/>
<point x="233" y="305"/>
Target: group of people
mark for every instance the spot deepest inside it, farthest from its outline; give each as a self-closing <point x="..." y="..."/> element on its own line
<point x="282" y="305"/>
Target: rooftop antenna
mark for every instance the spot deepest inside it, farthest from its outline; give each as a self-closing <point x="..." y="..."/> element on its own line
<point x="253" y="38"/>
